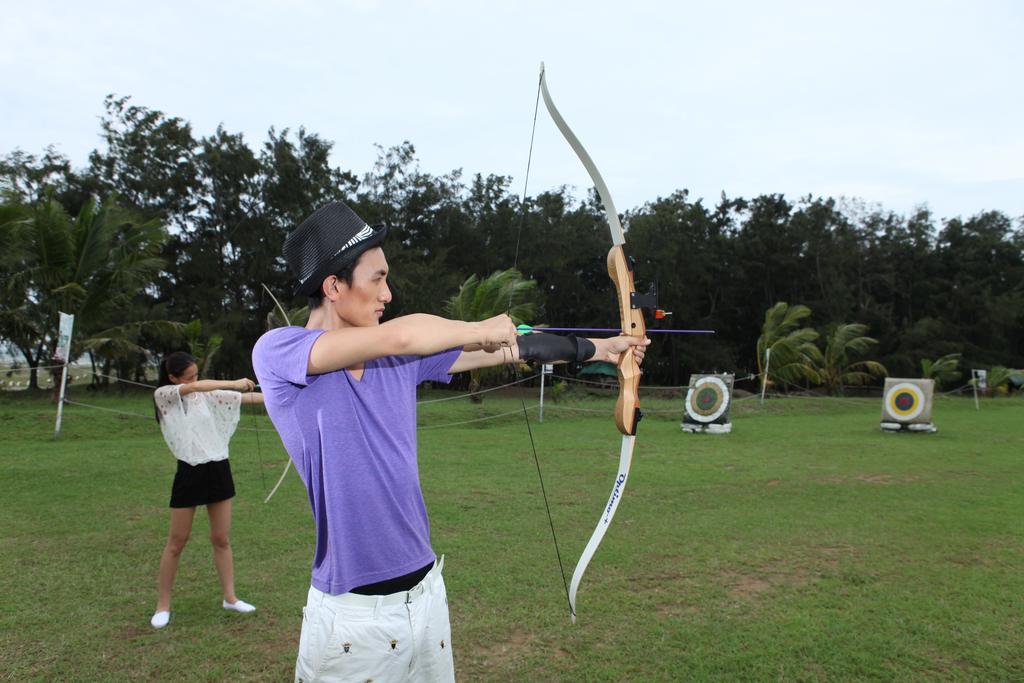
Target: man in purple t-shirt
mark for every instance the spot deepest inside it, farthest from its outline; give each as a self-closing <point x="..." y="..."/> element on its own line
<point x="341" y="392"/>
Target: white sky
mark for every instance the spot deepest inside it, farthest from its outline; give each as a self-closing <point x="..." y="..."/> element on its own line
<point x="899" y="103"/>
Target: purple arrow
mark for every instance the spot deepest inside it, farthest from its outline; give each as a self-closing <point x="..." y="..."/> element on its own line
<point x="526" y="329"/>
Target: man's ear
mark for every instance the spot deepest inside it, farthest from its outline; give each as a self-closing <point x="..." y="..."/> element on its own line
<point x="332" y="287"/>
<point x="329" y="288"/>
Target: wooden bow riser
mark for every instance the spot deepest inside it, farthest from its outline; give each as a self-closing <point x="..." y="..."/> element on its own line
<point x="627" y="407"/>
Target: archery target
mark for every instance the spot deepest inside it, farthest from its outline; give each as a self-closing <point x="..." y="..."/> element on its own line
<point x="907" y="401"/>
<point x="707" y="400"/>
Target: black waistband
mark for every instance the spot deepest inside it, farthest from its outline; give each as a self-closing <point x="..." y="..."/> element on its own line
<point x="395" y="585"/>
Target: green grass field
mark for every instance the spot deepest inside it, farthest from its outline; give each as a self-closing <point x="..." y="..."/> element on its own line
<point x="806" y="545"/>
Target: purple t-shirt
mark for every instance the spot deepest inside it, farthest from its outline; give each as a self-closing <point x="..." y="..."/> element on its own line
<point x="354" y="445"/>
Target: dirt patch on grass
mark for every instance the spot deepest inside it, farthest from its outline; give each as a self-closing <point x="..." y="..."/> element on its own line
<point x="136" y="631"/>
<point x="748" y="586"/>
<point x="960" y="474"/>
<point x="676" y="610"/>
<point x="804" y="568"/>
<point x="502" y="659"/>
<point x="833" y="552"/>
<point x="517" y="640"/>
<point x="495" y="653"/>
<point x="670" y="591"/>
<point x="883" y="479"/>
<point x="874" y="479"/>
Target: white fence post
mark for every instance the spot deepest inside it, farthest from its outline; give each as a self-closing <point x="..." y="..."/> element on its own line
<point x="979" y="381"/>
<point x="767" y="364"/>
<point x="546" y="369"/>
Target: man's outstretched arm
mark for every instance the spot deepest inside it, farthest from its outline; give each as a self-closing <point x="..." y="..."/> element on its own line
<point x="417" y="335"/>
<point x="552" y="349"/>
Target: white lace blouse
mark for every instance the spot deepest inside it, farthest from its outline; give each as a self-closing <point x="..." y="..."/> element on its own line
<point x="198" y="426"/>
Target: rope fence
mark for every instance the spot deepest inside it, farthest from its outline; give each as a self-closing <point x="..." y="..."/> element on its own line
<point x="126" y="413"/>
<point x="482" y="391"/>
<point x="75" y="373"/>
<point x="795" y="392"/>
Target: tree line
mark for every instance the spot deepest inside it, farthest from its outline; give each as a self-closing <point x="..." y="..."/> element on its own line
<point x="162" y="228"/>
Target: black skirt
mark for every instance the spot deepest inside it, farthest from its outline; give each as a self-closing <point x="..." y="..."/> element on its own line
<point x="209" y="482"/>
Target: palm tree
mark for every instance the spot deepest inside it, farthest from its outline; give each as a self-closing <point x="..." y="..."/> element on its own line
<point x="503" y="291"/>
<point x="123" y="344"/>
<point x="202" y="350"/>
<point x="279" y="316"/>
<point x="794" y="356"/>
<point x="943" y="370"/>
<point x="91" y="266"/>
<point x="846" y="341"/>
<point x="20" y="326"/>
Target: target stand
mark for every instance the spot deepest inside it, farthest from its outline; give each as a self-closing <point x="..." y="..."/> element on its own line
<point x="907" y="405"/>
<point x="707" y="404"/>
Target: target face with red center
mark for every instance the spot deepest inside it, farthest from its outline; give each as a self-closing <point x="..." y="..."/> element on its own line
<point x="707" y="399"/>
<point x="905" y="401"/>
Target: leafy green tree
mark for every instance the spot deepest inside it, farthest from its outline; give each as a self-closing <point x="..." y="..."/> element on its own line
<point x="831" y="258"/>
<point x="91" y="266"/>
<point x="901" y="279"/>
<point x="845" y="343"/>
<point x="29" y="179"/>
<point x="279" y="316"/>
<point x="149" y="162"/>
<point x="685" y="249"/>
<point x="21" y="326"/>
<point x="944" y="370"/>
<point x="504" y="291"/>
<point x="203" y="350"/>
<point x="561" y="245"/>
<point x="770" y="250"/>
<point x="794" y="355"/>
<point x="981" y="298"/>
<point x="925" y="287"/>
<point x="126" y="346"/>
<point x="430" y="235"/>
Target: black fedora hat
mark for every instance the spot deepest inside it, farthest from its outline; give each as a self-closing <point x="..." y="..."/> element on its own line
<point x="331" y="238"/>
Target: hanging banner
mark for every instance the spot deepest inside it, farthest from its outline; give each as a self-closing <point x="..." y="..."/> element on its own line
<point x="707" y="404"/>
<point x="63" y="350"/>
<point x="63" y="354"/>
<point x="907" y="405"/>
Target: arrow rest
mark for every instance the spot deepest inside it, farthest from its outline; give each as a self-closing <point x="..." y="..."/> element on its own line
<point x="648" y="300"/>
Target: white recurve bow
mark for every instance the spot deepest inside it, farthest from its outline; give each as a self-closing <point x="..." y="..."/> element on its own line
<point x="627" y="408"/>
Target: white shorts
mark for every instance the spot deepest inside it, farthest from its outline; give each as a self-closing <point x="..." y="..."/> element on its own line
<point x="399" y="637"/>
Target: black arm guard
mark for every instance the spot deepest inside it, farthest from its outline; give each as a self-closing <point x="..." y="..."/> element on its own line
<point x="549" y="348"/>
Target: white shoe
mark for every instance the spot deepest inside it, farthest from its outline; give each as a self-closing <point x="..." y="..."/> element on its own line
<point x="160" y="619"/>
<point x="239" y="606"/>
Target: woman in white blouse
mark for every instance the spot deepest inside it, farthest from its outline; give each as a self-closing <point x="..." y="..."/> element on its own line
<point x="197" y="418"/>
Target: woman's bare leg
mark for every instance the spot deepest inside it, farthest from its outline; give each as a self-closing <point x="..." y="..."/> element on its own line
<point x="181" y="527"/>
<point x="220" y="532"/>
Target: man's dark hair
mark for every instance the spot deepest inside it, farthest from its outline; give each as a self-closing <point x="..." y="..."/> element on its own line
<point x="317" y="297"/>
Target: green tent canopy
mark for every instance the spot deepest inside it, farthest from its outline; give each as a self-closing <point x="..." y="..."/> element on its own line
<point x="599" y="368"/>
